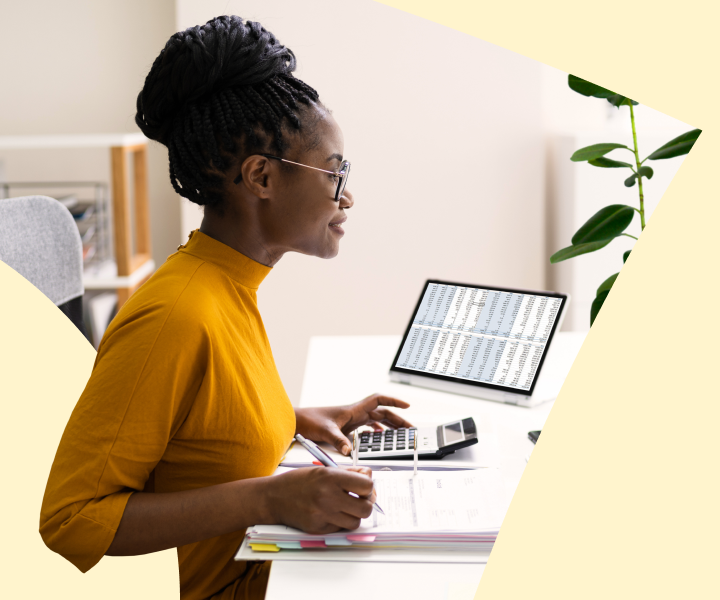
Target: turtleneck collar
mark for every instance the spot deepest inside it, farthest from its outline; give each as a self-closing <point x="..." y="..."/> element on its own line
<point x="238" y="267"/>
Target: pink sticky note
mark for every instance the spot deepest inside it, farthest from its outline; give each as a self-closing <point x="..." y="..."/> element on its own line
<point x="361" y="538"/>
<point x="313" y="544"/>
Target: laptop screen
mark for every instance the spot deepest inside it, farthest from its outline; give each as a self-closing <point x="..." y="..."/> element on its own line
<point x="483" y="336"/>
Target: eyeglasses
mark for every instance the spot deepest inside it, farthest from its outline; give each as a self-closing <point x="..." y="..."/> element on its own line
<point x="342" y="174"/>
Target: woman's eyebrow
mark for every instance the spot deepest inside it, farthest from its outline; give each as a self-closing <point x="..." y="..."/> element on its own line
<point x="332" y="156"/>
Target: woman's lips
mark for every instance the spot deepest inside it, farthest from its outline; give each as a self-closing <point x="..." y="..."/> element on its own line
<point x="337" y="226"/>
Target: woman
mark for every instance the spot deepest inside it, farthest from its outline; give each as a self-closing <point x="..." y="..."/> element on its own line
<point x="184" y="416"/>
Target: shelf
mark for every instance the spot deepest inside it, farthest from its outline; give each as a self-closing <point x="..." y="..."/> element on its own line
<point x="131" y="266"/>
<point x="107" y="279"/>
<point x="99" y="140"/>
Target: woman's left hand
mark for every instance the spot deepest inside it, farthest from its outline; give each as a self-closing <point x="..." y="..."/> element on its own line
<point x="332" y="423"/>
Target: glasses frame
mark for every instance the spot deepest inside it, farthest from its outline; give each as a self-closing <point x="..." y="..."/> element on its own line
<point x="343" y="173"/>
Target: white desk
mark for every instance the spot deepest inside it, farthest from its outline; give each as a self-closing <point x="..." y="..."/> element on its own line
<point x="342" y="370"/>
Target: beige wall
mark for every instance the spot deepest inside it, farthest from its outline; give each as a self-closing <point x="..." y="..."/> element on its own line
<point x="444" y="132"/>
<point x="77" y="66"/>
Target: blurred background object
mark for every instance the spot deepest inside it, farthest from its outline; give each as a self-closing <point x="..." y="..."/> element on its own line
<point x="39" y="240"/>
<point x="115" y="236"/>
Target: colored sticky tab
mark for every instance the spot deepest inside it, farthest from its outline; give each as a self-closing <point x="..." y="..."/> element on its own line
<point x="337" y="541"/>
<point x="318" y="463"/>
<point x="361" y="538"/>
<point x="313" y="544"/>
<point x="264" y="548"/>
<point x="288" y="545"/>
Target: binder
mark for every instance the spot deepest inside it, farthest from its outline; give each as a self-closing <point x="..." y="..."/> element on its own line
<point x="438" y="515"/>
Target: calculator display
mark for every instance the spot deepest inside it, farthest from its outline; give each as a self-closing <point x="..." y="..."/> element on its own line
<point x="453" y="433"/>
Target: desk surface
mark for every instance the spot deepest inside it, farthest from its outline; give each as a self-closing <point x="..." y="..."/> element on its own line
<point x="341" y="370"/>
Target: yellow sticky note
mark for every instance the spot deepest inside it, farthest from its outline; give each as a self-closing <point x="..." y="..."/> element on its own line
<point x="264" y="548"/>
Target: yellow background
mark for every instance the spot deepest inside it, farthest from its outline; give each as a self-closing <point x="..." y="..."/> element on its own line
<point x="620" y="497"/>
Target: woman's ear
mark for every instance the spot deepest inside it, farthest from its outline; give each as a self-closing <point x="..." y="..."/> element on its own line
<point x="257" y="175"/>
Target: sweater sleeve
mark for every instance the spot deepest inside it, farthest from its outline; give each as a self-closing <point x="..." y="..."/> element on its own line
<point x="147" y="373"/>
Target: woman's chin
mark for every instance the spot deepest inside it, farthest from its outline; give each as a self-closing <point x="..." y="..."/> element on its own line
<point x="331" y="253"/>
<point x="326" y="251"/>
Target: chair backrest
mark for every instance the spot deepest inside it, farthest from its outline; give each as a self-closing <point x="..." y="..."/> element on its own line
<point x="39" y="240"/>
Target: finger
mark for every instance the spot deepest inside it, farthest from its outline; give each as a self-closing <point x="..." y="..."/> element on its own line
<point x="345" y="521"/>
<point x="360" y="507"/>
<point x="337" y="438"/>
<point x="351" y="481"/>
<point x="389" y="418"/>
<point x="376" y="400"/>
<point x="376" y="426"/>
<point x="322" y="529"/>
<point x="367" y="471"/>
<point x="372" y="498"/>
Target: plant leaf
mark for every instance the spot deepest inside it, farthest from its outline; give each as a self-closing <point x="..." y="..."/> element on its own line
<point x="678" y="146"/>
<point x="594" y="151"/>
<point x="607" y="284"/>
<point x="625" y="256"/>
<point x="606" y="224"/>
<point x="597" y="305"/>
<point x="646" y="172"/>
<point x="584" y="87"/>
<point x="630" y="181"/>
<point x="578" y="249"/>
<point x="608" y="163"/>
<point x="619" y="100"/>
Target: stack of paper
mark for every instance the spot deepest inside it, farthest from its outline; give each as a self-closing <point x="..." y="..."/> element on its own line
<point x="441" y="510"/>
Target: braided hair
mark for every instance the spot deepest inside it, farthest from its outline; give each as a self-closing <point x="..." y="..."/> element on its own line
<point x="214" y="90"/>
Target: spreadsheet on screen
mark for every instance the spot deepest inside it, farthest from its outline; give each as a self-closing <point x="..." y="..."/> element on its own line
<point x="480" y="335"/>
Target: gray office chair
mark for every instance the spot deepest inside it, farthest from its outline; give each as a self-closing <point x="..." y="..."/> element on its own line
<point x="39" y="240"/>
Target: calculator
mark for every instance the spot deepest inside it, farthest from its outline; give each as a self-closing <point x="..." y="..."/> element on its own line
<point x="432" y="442"/>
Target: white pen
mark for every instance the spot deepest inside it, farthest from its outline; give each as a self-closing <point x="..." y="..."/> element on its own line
<point x="318" y="453"/>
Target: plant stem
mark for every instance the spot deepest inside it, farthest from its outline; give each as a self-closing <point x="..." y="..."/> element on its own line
<point x="628" y="235"/>
<point x="638" y="163"/>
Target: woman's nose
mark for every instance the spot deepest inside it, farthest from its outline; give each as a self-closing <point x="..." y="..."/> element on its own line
<point x="346" y="200"/>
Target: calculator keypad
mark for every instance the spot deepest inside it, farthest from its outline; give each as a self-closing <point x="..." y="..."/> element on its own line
<point x="387" y="441"/>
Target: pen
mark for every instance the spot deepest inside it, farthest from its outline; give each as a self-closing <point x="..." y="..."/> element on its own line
<point x="317" y="452"/>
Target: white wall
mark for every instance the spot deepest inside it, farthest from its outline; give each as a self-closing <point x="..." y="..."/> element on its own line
<point x="444" y="132"/>
<point x="77" y="66"/>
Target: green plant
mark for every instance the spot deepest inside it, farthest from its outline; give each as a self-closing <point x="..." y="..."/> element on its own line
<point x="612" y="221"/>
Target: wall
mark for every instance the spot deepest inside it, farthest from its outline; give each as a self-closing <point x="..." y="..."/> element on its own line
<point x="444" y="132"/>
<point x="76" y="67"/>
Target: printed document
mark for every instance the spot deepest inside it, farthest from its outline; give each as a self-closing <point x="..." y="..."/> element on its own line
<point x="438" y="500"/>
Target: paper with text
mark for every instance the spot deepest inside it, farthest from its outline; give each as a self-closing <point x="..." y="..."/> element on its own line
<point x="438" y="500"/>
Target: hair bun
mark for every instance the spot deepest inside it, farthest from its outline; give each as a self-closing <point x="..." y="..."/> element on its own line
<point x="225" y="52"/>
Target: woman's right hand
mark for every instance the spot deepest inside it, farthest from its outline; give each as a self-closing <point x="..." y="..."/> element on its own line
<point x="316" y="499"/>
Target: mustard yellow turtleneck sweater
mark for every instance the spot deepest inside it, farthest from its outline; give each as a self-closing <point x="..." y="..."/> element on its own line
<point x="184" y="394"/>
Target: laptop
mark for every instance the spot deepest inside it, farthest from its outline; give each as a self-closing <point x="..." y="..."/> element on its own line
<point x="481" y="341"/>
